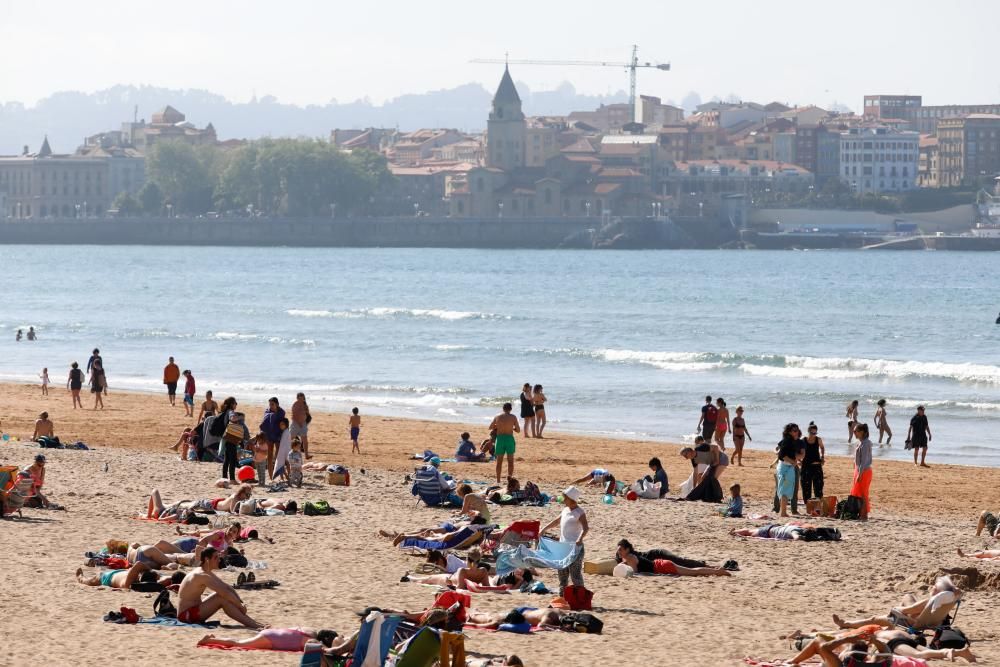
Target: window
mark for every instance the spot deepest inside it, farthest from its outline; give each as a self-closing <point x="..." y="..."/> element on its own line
<point x="461" y="206"/>
<point x="548" y="196"/>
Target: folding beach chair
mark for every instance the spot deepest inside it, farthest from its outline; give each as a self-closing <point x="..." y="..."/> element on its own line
<point x="463" y="539"/>
<point x="423" y="650"/>
<point x="517" y="533"/>
<point x="427" y="487"/>
<point x="375" y="639"/>
<point x="13" y="491"/>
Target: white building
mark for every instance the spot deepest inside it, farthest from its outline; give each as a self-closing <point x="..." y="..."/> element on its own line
<point x="879" y="159"/>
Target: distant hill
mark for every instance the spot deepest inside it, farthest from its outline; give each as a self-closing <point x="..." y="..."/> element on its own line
<point x="68" y="117"/>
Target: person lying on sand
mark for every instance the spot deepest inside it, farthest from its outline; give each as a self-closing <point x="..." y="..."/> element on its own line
<point x="192" y="609"/>
<point x="477" y="575"/>
<point x="497" y="661"/>
<point x="662" y="566"/>
<point x="897" y="641"/>
<point x="850" y="651"/>
<point x="915" y="613"/>
<point x="247" y="533"/>
<point x="660" y="554"/>
<point x="151" y="558"/>
<point x="987" y="554"/>
<point x="275" y="639"/>
<point x="195" y="542"/>
<point x="261" y="505"/>
<point x="794" y="530"/>
<point x="598" y="477"/>
<point x="156" y="509"/>
<point x="124" y="579"/>
<point x="442" y="532"/>
<point x="536" y="618"/>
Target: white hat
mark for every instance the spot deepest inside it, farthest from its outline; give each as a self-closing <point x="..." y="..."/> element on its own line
<point x="572" y="493"/>
<point x="623" y="570"/>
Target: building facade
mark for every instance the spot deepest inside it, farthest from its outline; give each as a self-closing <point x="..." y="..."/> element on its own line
<point x="48" y="185"/>
<point x="877" y="159"/>
<point x="968" y="150"/>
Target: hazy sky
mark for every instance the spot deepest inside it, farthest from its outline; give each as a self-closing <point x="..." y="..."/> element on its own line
<point x="312" y="51"/>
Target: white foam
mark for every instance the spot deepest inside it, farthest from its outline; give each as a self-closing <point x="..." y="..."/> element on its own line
<point x="298" y="312"/>
<point x="787" y="372"/>
<point x="678" y="362"/>
<point x="389" y="313"/>
<point x="450" y="348"/>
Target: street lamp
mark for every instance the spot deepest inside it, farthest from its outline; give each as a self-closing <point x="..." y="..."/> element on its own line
<point x="416" y="209"/>
<point x="500" y="207"/>
<point x="76" y="206"/>
<point x="333" y="211"/>
<point x="587" y="204"/>
<point x="170" y="210"/>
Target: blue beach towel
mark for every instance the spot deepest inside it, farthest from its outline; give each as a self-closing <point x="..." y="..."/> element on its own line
<point x="549" y="554"/>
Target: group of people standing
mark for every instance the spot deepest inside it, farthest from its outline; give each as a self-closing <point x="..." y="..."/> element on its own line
<point x="98" y="381"/>
<point x="917" y="436"/>
<point x="533" y="410"/>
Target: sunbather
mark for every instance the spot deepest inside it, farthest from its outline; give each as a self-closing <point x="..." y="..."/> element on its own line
<point x="846" y="651"/>
<point x="156" y="509"/>
<point x="275" y="639"/>
<point x="897" y="641"/>
<point x="987" y="554"/>
<point x="496" y="661"/>
<point x="790" y="531"/>
<point x="658" y="554"/>
<point x="643" y="565"/>
<point x="598" y="477"/>
<point x="442" y="532"/>
<point x="220" y="539"/>
<point x="536" y="618"/>
<point x="473" y="504"/>
<point x="450" y="563"/>
<point x="124" y="579"/>
<point x="919" y="614"/>
<point x="151" y="558"/>
<point x="477" y="575"/>
<point x="192" y="609"/>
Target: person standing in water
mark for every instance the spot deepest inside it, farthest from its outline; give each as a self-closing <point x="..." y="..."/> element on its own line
<point x="506" y="426"/>
<point x="31" y="333"/>
<point x="528" y="410"/>
<point x="919" y="435"/>
<point x="740" y="435"/>
<point x="45" y="381"/>
<point x="852" y="419"/>
<point x="880" y="422"/>
<point x="722" y="425"/>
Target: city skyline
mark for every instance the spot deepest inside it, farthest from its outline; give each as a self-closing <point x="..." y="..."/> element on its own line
<point x="321" y="52"/>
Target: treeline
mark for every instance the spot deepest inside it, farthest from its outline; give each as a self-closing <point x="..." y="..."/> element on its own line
<point x="272" y="177"/>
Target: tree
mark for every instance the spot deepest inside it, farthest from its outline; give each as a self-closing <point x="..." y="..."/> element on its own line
<point x="183" y="175"/>
<point x="151" y="199"/>
<point x="126" y="205"/>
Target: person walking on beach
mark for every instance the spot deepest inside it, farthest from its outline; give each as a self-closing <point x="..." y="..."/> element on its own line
<point x="791" y="451"/>
<point x="94" y="357"/>
<point x="573" y="528"/>
<point x="505" y="425"/>
<point x="74" y="383"/>
<point x="300" y="422"/>
<point x="271" y="426"/>
<point x="538" y="398"/>
<point x="722" y="425"/>
<point x="98" y="384"/>
<point x="528" y="410"/>
<point x="811" y="474"/>
<point x="740" y="435"/>
<point x="354" y="423"/>
<point x="45" y="381"/>
<point x="171" y="375"/>
<point x="706" y="424"/>
<point x="852" y="419"/>
<point x="189" y="389"/>
<point x="919" y="435"/>
<point x="862" y="469"/>
<point x="881" y="423"/>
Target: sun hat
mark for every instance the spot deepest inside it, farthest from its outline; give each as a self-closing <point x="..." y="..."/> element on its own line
<point x="572" y="493"/>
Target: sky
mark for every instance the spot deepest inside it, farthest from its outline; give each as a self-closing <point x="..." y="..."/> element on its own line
<point x="314" y="51"/>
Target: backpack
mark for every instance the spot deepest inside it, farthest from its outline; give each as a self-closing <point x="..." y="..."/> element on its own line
<point x="850" y="508"/>
<point x="949" y="637"/>
<point x="318" y="508"/>
<point x="581" y="622"/>
<point x="711" y="414"/>
<point x="163" y="607"/>
<point x="218" y="425"/>
<point x="578" y="597"/>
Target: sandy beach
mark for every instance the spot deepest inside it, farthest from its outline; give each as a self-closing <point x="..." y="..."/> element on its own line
<point x="331" y="567"/>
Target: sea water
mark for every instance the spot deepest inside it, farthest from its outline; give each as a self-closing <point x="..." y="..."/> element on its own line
<point x="626" y="344"/>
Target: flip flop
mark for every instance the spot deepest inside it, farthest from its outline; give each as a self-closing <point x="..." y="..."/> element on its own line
<point x="251" y="577"/>
<point x="241" y="579"/>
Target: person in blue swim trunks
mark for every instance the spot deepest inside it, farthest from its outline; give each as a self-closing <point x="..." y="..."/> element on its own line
<point x="123" y="579"/>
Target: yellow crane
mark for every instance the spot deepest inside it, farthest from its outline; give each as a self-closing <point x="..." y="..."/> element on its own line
<point x="631" y="65"/>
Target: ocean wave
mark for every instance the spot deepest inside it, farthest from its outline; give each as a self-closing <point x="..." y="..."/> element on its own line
<point x="389" y="313"/>
<point x="249" y="338"/>
<point x="450" y="348"/>
<point x="397" y="388"/>
<point x="799" y="372"/>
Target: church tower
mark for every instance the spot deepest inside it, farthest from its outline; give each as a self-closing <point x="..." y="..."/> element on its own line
<point x="506" y="127"/>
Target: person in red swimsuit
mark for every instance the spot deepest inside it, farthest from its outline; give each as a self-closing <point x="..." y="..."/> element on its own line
<point x="192" y="609"/>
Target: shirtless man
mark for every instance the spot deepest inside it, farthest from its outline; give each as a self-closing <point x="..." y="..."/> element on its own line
<point x="506" y="426"/>
<point x="299" y="425"/>
<point x="43" y="427"/>
<point x="192" y="609"/>
<point x="536" y="618"/>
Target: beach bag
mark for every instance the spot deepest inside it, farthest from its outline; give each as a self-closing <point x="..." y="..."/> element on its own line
<point x="581" y="622"/>
<point x="318" y="508"/>
<point x="233" y="434"/>
<point x="578" y="597"/>
<point x="163" y="607"/>
<point x="948" y="637"/>
<point x="604" y="566"/>
<point x="117" y="563"/>
<point x="850" y="508"/>
<point x="828" y="506"/>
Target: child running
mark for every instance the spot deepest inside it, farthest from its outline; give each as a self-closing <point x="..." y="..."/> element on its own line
<point x="45" y="381"/>
<point x="355" y="423"/>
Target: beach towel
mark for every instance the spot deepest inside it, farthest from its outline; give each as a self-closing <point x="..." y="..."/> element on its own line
<point x="549" y="554"/>
<point x="463" y="539"/>
<point x="166" y="622"/>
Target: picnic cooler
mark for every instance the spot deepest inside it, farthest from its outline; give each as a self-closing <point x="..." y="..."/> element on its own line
<point x="338" y="478"/>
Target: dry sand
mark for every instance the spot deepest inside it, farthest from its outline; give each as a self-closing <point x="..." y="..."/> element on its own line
<point x="330" y="567"/>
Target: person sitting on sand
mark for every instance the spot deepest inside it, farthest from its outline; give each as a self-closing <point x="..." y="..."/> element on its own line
<point x="466" y="451"/>
<point x="192" y="609"/>
<point x="36" y="472"/>
<point x="183" y="443"/>
<point x="275" y="639"/>
<point x="536" y="618"/>
<point x="449" y="563"/>
<point x="643" y="565"/>
<point x="897" y="641"/>
<point x="599" y="477"/>
<point x="157" y="510"/>
<point x="477" y="575"/>
<point x="43" y="427"/>
<point x="918" y="614"/>
<point x="473" y="504"/>
<point x="658" y="554"/>
<point x="123" y="579"/>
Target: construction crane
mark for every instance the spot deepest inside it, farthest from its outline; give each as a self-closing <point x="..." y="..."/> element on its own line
<point x="632" y="65"/>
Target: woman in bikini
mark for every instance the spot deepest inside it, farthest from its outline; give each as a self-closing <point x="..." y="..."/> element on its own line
<point x="157" y="510"/>
<point x="275" y="639"/>
<point x="740" y="435"/>
<point x="538" y="398"/>
<point x="722" y="425"/>
<point x="191" y="544"/>
<point x="881" y="423"/>
<point x="852" y="419"/>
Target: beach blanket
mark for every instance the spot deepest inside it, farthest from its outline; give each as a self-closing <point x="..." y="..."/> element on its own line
<point x="166" y="622"/>
<point x="549" y="554"/>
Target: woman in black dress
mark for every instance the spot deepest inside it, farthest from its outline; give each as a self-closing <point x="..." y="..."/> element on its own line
<point x="75" y="384"/>
<point x="528" y="411"/>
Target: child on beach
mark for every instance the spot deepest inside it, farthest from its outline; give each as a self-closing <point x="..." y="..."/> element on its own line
<point x="260" y="456"/>
<point x="355" y="423"/>
<point x="295" y="461"/>
<point x="189" y="389"/>
<point x="45" y="381"/>
<point x="735" y="508"/>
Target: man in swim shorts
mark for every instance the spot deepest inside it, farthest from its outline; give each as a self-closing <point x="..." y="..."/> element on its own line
<point x="192" y="609"/>
<point x="506" y="426"/>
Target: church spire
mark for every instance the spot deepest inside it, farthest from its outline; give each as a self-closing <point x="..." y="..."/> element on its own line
<point x="506" y="91"/>
<point x="45" y="150"/>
